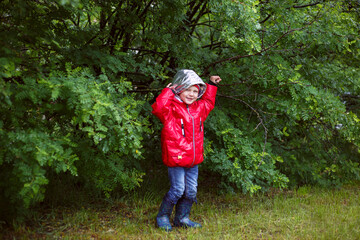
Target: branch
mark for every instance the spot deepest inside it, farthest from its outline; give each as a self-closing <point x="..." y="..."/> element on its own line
<point x="267" y="18"/>
<point x="298" y="6"/>
<point x="146" y="90"/>
<point x="146" y="9"/>
<point x="202" y="12"/>
<point x="307" y="5"/>
<point x="217" y="44"/>
<point x="261" y="121"/>
<point x="149" y="51"/>
<point x="202" y="23"/>
<point x="350" y="96"/>
<point x="206" y="70"/>
<point x="103" y="23"/>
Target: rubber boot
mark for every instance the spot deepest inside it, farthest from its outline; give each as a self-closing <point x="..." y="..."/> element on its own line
<point x="163" y="217"/>
<point x="183" y="208"/>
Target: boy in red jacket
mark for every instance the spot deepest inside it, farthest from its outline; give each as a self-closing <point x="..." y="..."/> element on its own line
<point x="182" y="141"/>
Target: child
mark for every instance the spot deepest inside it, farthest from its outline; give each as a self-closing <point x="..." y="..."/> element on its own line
<point x="182" y="141"/>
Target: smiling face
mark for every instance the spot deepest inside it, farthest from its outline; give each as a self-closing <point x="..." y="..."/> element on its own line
<point x="189" y="95"/>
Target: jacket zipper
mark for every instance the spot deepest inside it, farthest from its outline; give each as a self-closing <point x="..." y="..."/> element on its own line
<point x="193" y="124"/>
<point x="200" y="125"/>
<point x="182" y="127"/>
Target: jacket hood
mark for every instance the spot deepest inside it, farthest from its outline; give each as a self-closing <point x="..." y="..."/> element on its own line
<point x="186" y="78"/>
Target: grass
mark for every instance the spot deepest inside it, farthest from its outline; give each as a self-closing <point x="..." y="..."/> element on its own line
<point x="305" y="213"/>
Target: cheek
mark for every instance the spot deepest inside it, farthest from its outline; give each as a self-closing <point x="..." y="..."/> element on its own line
<point x="182" y="96"/>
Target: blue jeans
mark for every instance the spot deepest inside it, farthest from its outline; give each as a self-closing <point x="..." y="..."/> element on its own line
<point x="183" y="183"/>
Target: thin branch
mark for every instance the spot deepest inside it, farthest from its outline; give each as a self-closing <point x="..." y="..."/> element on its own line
<point x="261" y="122"/>
<point x="208" y="24"/>
<point x="292" y="49"/>
<point x="103" y="23"/>
<point x="147" y="51"/>
<point x="350" y="96"/>
<point x="146" y="90"/>
<point x="267" y="18"/>
<point x="202" y="12"/>
<point x="206" y="70"/>
<point x="307" y="5"/>
<point x="217" y="44"/>
<point x="146" y="9"/>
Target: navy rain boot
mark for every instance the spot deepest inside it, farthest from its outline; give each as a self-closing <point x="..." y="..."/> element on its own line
<point x="163" y="217"/>
<point x="183" y="208"/>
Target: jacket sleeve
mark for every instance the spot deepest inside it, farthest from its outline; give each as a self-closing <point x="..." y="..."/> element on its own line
<point x="161" y="107"/>
<point x="208" y="99"/>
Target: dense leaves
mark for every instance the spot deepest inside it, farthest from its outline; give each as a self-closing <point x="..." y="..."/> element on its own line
<point x="78" y="77"/>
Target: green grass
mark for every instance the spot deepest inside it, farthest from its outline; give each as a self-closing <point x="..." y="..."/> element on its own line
<point x="307" y="213"/>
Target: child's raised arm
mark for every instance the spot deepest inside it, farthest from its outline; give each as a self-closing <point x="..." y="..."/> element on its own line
<point x="161" y="105"/>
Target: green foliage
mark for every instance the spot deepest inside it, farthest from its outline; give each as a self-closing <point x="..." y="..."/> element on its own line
<point x="239" y="158"/>
<point x="77" y="79"/>
<point x="70" y="122"/>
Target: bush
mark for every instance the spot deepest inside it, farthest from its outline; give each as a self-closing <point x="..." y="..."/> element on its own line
<point x="69" y="122"/>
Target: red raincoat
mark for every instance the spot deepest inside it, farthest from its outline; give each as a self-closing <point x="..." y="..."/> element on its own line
<point x="182" y="136"/>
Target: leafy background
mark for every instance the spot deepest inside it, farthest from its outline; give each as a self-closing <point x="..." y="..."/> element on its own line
<point x="78" y="77"/>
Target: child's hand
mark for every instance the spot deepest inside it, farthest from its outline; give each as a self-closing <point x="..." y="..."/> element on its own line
<point x="215" y="79"/>
<point x="171" y="87"/>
